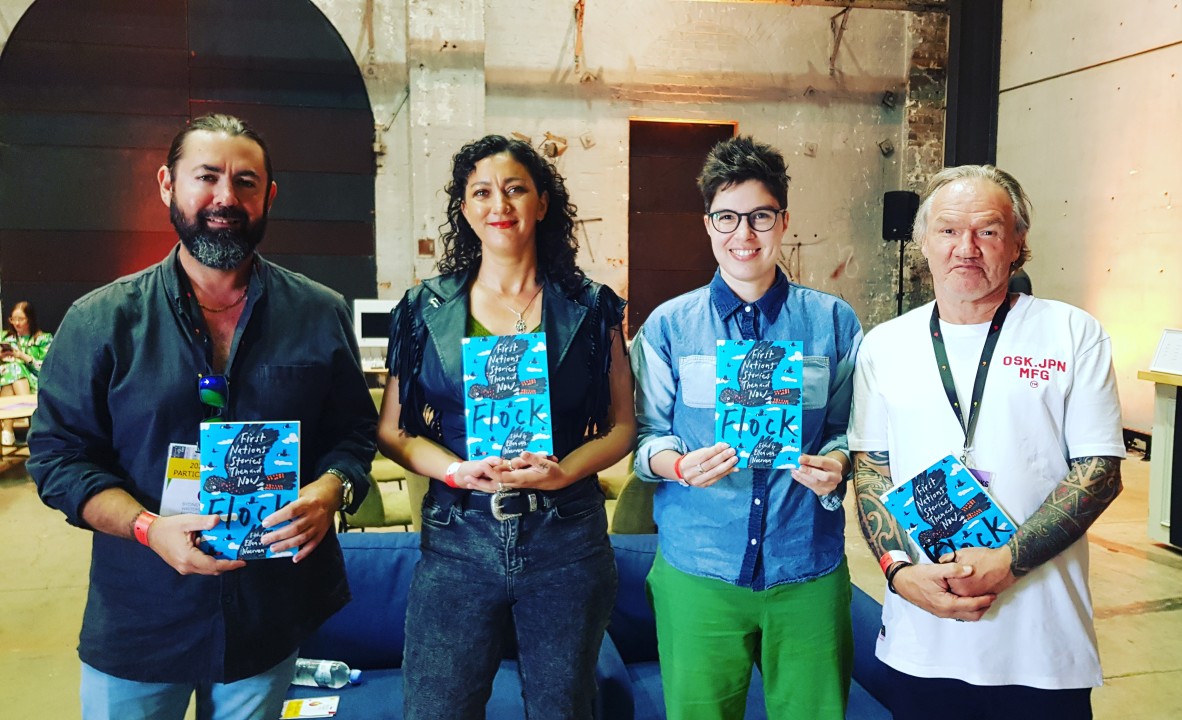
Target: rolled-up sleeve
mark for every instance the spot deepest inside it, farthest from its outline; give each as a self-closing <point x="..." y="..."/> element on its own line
<point x="656" y="393"/>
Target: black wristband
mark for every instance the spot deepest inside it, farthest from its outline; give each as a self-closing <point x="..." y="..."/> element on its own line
<point x="892" y="572"/>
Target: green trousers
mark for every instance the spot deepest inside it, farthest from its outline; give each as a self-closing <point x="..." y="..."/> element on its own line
<point x="710" y="633"/>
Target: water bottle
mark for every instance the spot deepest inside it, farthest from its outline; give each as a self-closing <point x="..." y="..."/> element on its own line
<point x="324" y="673"/>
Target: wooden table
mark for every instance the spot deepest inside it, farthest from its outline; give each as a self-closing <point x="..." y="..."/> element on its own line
<point x="16" y="407"/>
<point x="1165" y="475"/>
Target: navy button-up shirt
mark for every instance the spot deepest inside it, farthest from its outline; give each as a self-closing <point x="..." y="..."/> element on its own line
<point x="119" y="385"/>
<point x="753" y="528"/>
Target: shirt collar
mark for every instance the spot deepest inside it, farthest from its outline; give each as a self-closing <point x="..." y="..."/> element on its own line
<point x="726" y="302"/>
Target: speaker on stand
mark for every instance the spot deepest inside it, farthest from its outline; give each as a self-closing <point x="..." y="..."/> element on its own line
<point x="898" y="215"/>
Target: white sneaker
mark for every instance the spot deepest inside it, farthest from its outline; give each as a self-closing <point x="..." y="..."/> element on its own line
<point x="8" y="437"/>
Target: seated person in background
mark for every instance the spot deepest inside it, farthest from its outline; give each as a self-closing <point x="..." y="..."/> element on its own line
<point x="751" y="568"/>
<point x="23" y="345"/>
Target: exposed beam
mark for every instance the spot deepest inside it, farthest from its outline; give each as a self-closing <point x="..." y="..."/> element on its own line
<point x="907" y="5"/>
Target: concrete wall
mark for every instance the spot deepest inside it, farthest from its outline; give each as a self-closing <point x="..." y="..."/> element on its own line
<point x="1091" y="96"/>
<point x="442" y="73"/>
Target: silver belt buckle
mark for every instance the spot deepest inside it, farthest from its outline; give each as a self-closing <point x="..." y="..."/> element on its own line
<point x="500" y="514"/>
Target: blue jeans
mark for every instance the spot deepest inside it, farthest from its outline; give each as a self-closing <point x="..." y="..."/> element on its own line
<point x="547" y="579"/>
<point x="106" y="697"/>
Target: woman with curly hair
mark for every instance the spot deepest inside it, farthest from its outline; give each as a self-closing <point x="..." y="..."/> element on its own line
<point x="23" y="345"/>
<point x="515" y="549"/>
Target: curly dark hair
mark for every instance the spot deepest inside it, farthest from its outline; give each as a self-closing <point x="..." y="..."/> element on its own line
<point x="557" y="245"/>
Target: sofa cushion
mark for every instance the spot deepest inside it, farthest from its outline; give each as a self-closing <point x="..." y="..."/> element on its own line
<point x="632" y="627"/>
<point x="368" y="633"/>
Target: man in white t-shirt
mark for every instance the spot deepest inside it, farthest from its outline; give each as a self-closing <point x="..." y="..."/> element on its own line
<point x="1024" y="394"/>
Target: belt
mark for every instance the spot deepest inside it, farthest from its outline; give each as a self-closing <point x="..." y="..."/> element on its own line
<point x="510" y="503"/>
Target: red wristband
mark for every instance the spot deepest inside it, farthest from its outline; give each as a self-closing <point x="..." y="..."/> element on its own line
<point x="450" y="476"/>
<point x="677" y="467"/>
<point x="142" y="523"/>
<point x="890" y="557"/>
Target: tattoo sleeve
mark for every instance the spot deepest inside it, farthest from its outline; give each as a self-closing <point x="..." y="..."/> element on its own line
<point x="1091" y="485"/>
<point x="872" y="478"/>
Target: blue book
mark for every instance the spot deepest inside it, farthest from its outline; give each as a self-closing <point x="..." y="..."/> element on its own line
<point x="758" y="408"/>
<point x="507" y="396"/>
<point x="248" y="471"/>
<point x="945" y="508"/>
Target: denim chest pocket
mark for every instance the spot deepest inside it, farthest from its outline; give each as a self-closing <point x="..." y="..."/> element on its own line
<point x="697" y="380"/>
<point x="816" y="381"/>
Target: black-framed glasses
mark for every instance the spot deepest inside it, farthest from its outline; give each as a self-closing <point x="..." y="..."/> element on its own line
<point x="214" y="392"/>
<point x="759" y="220"/>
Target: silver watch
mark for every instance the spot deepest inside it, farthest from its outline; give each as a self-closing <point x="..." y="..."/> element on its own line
<point x="346" y="488"/>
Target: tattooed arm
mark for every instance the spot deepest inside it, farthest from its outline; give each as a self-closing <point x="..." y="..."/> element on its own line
<point x="925" y="585"/>
<point x="1091" y="485"/>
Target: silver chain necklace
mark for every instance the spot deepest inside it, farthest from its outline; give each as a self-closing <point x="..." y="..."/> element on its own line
<point x="519" y="326"/>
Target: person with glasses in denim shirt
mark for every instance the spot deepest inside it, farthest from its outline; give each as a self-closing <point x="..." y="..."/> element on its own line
<point x="751" y="565"/>
<point x="513" y="547"/>
<point x="213" y="330"/>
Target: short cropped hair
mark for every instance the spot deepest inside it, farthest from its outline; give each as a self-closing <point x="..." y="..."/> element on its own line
<point x="1018" y="200"/>
<point x="737" y="160"/>
<point x="218" y="123"/>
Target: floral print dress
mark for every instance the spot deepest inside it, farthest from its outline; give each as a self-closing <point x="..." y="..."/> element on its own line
<point x="35" y="346"/>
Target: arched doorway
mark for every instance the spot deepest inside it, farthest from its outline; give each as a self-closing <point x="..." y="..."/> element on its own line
<point x="91" y="93"/>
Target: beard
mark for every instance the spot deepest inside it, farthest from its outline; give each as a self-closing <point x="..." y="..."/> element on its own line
<point x="223" y="249"/>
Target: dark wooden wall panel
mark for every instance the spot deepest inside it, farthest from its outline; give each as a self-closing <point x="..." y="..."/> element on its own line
<point x="90" y="130"/>
<point x="352" y="277"/>
<point x="143" y="23"/>
<point x="685" y="245"/>
<point x="91" y="94"/>
<point x="668" y="248"/>
<point x="323" y="196"/>
<point x="77" y="188"/>
<point x="665" y="184"/>
<point x="80" y="257"/>
<point x="331" y="140"/>
<point x="318" y="238"/>
<point x="305" y="42"/>
<point x="66" y="77"/>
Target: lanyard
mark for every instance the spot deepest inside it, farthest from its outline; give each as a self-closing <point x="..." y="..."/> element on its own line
<point x="982" y="371"/>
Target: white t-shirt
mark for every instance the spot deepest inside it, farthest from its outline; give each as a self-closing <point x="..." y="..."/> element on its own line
<point x="1050" y="396"/>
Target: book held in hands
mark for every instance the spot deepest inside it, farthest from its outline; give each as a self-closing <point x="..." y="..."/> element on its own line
<point x="507" y="396"/>
<point x="945" y="508"/>
<point x="248" y="471"/>
<point x="758" y="407"/>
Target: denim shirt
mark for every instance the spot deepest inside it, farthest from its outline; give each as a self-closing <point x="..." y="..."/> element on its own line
<point x="119" y="385"/>
<point x="753" y="528"/>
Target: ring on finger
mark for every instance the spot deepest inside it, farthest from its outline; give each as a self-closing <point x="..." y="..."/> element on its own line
<point x="701" y="470"/>
<point x="500" y="486"/>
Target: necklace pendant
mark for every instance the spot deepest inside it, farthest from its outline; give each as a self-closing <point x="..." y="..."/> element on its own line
<point x="519" y="326"/>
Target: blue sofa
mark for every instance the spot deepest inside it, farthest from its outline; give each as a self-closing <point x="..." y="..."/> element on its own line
<point x="367" y="634"/>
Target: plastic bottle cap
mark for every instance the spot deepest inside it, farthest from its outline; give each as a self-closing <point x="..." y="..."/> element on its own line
<point x="354" y="676"/>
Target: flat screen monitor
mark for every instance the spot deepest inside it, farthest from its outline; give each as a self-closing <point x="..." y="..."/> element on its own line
<point x="371" y="322"/>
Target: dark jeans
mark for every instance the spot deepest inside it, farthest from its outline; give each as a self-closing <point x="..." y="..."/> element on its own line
<point x="916" y="698"/>
<point x="550" y="575"/>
